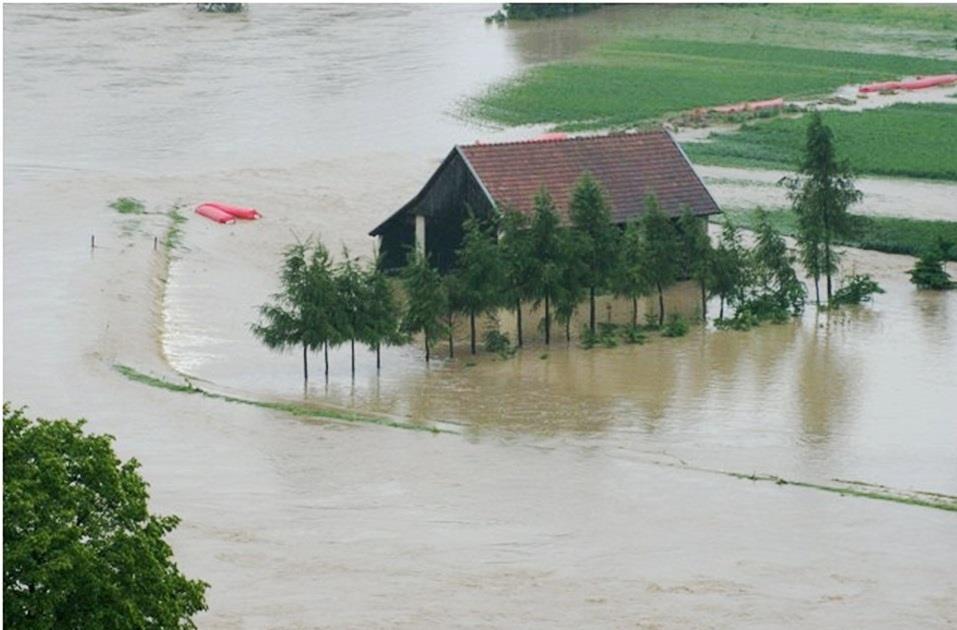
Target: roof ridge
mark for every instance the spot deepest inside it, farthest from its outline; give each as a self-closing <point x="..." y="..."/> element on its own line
<point x="596" y="136"/>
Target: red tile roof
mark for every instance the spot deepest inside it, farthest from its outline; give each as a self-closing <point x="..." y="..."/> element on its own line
<point x="628" y="166"/>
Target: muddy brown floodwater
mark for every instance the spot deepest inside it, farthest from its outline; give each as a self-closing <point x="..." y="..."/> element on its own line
<point x="563" y="501"/>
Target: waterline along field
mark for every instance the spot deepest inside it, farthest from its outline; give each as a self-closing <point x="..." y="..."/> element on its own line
<point x="903" y="140"/>
<point x="893" y="235"/>
<point x="634" y="81"/>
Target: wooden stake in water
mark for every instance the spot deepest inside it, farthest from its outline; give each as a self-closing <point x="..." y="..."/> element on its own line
<point x="92" y="241"/>
<point x="154" y="243"/>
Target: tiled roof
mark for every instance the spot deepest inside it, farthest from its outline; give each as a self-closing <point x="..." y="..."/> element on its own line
<point x="628" y="166"/>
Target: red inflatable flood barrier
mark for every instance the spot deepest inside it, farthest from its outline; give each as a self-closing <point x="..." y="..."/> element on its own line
<point x="240" y="213"/>
<point x="214" y="213"/>
<point x="918" y="84"/>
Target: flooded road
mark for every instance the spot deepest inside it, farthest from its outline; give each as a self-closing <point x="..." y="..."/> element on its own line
<point x="558" y="505"/>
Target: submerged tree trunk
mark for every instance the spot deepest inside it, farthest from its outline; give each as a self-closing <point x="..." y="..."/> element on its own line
<point x="817" y="290"/>
<point x="352" y="343"/>
<point x="661" y="306"/>
<point x="704" y="303"/>
<point x="591" y="317"/>
<point x="721" y="308"/>
<point x="827" y="262"/>
<point x="568" y="330"/>
<point x="518" y="322"/>
<point x="548" y="322"/>
<point x="634" y="311"/>
<point x="325" y="354"/>
<point x="472" y="329"/>
<point x="378" y="357"/>
<point x="305" y="364"/>
<point x="427" y="348"/>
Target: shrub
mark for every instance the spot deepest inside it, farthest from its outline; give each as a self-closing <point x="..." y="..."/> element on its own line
<point x="128" y="205"/>
<point x="676" y="326"/>
<point x="929" y="272"/>
<point x="498" y="342"/>
<point x="856" y="289"/>
<point x="632" y="334"/>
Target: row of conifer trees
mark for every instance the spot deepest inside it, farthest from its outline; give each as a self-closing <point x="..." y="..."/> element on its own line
<point x="511" y="259"/>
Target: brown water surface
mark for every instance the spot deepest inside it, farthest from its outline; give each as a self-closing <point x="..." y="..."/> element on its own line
<point x="558" y="505"/>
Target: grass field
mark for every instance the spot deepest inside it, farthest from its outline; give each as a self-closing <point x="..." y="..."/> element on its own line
<point x="884" y="234"/>
<point x="906" y="140"/>
<point x="633" y="81"/>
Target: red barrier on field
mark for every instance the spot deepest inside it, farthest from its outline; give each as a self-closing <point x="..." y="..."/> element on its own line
<point x="214" y="213"/>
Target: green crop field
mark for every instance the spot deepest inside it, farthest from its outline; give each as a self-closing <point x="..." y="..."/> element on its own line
<point x="893" y="235"/>
<point x="629" y="82"/>
<point x="906" y="140"/>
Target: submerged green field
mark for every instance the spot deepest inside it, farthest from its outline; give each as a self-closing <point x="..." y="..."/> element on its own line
<point x="892" y="235"/>
<point x="629" y="82"/>
<point x="905" y="140"/>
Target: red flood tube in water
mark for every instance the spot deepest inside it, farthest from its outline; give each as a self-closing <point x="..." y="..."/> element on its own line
<point x="240" y="213"/>
<point x="214" y="213"/>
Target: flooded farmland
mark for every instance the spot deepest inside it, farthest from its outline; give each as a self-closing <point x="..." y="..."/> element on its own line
<point x="581" y="488"/>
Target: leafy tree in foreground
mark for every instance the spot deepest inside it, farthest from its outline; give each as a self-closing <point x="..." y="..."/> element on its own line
<point x="729" y="267"/>
<point x="545" y="271"/>
<point x="305" y="311"/>
<point x="698" y="254"/>
<point x="630" y="281"/>
<point x="591" y="218"/>
<point x="480" y="273"/>
<point x="821" y="199"/>
<point x="80" y="548"/>
<point x="453" y="306"/>
<point x="517" y="260"/>
<point x="427" y="301"/>
<point x="661" y="248"/>
<point x="930" y="271"/>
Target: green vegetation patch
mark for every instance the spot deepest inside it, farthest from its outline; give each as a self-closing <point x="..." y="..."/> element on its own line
<point x="128" y="205"/>
<point x="904" y="140"/>
<point x="638" y="80"/>
<point x="299" y="410"/>
<point x="893" y="235"/>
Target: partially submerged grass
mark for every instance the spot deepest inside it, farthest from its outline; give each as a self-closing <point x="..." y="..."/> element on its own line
<point x="892" y="235"/>
<point x="635" y="81"/>
<point x="174" y="233"/>
<point x="904" y="140"/>
<point x="128" y="205"/>
<point x="295" y="409"/>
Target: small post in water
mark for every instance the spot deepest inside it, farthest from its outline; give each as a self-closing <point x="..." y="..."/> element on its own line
<point x="92" y="241"/>
<point x="155" y="240"/>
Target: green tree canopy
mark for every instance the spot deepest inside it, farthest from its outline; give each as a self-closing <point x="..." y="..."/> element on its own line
<point x="354" y="303"/>
<point x="426" y="300"/>
<point x="776" y="290"/>
<point x="697" y="253"/>
<point x="80" y="548"/>
<point x="730" y="267"/>
<point x="661" y="251"/>
<point x="305" y="312"/>
<point x="480" y="272"/>
<point x="382" y="312"/>
<point x="591" y="217"/>
<point x="821" y="197"/>
<point x="630" y="280"/>
<point x="545" y="278"/>
<point x="518" y="261"/>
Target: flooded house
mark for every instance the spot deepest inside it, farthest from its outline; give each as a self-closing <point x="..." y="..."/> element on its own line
<point x="479" y="177"/>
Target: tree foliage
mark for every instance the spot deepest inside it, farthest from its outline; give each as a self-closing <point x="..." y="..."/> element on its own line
<point x="305" y="312"/>
<point x="480" y="273"/>
<point x="548" y="257"/>
<point x="930" y="271"/>
<point x="597" y="236"/>
<point x="426" y="300"/>
<point x="518" y="264"/>
<point x="821" y="198"/>
<point x="729" y="269"/>
<point x="775" y="292"/>
<point x="631" y="281"/>
<point x="80" y="548"/>
<point x="697" y="254"/>
<point x="660" y="251"/>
